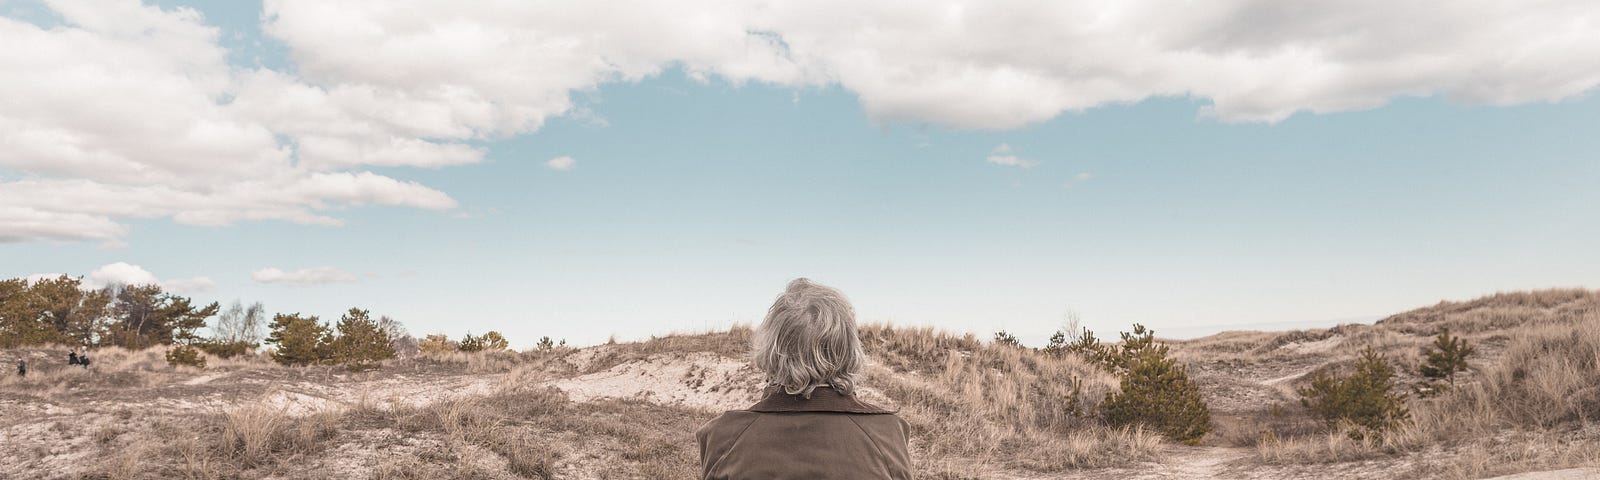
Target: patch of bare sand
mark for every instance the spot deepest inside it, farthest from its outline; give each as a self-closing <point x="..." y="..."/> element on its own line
<point x="1320" y="346"/>
<point x="1286" y="378"/>
<point x="697" y="380"/>
<point x="304" y="398"/>
<point x="204" y="379"/>
<point x="1184" y="463"/>
<point x="1567" y="474"/>
<point x="59" y="445"/>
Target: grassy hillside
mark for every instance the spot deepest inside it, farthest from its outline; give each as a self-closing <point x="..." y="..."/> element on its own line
<point x="1534" y="382"/>
<point x="978" y="409"/>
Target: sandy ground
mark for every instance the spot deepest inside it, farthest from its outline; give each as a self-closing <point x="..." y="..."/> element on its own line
<point x="699" y="380"/>
<point x="49" y="435"/>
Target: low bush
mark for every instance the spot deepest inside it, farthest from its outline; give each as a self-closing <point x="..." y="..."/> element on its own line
<point x="185" y="355"/>
<point x="1446" y="357"/>
<point x="1158" y="393"/>
<point x="1364" y="398"/>
<point x="436" y="344"/>
<point x="1005" y="338"/>
<point x="222" y="349"/>
<point x="1084" y="345"/>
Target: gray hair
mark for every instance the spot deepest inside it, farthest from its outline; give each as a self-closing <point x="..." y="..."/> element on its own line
<point x="808" y="340"/>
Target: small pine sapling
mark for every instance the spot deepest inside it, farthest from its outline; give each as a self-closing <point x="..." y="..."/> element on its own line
<point x="1446" y="357"/>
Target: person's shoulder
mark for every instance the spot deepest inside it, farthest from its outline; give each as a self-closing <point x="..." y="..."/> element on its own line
<point x="729" y="423"/>
<point x="884" y="422"/>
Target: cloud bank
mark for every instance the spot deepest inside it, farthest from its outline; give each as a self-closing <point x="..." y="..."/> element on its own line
<point x="130" y="111"/>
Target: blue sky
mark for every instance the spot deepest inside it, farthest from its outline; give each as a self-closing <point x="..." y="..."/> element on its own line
<point x="693" y="197"/>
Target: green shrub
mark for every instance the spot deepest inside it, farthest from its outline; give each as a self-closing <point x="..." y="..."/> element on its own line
<point x="360" y="344"/>
<point x="1085" y="346"/>
<point x="470" y="343"/>
<point x="225" y="349"/>
<point x="1445" y="358"/>
<point x="494" y="341"/>
<point x="1364" y="398"/>
<point x="1134" y="345"/>
<point x="436" y="344"/>
<point x="185" y="355"/>
<point x="300" y="340"/>
<point x="1156" y="392"/>
<point x="546" y="344"/>
<point x="1007" y="339"/>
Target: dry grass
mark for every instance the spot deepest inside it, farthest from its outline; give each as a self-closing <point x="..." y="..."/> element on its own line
<point x="1539" y="389"/>
<point x="969" y="404"/>
<point x="526" y="432"/>
<point x="978" y="410"/>
<point x="732" y="343"/>
<point x="998" y="404"/>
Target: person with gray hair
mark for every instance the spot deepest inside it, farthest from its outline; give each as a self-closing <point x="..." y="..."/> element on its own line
<point x="810" y="424"/>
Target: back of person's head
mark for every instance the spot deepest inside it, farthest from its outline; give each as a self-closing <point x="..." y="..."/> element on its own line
<point x="809" y="339"/>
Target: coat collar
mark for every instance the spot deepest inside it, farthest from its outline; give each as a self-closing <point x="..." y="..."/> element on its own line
<point x="823" y="399"/>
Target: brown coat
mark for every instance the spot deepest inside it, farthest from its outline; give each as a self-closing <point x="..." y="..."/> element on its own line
<point x="829" y="436"/>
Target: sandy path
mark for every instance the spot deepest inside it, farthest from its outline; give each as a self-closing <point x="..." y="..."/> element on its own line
<point x="1177" y="462"/>
<point x="1274" y="381"/>
<point x="1568" y="474"/>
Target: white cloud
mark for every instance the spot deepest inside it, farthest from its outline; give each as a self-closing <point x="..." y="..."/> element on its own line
<point x="562" y="163"/>
<point x="1078" y="179"/>
<point x="307" y="276"/>
<point x="128" y="111"/>
<point x="120" y="273"/>
<point x="965" y="64"/>
<point x="123" y="273"/>
<point x="1002" y="155"/>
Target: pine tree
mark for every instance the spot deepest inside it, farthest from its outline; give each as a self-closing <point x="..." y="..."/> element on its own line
<point x="1447" y="357"/>
<point x="300" y="340"/>
<point x="470" y="343"/>
<point x="185" y="355"/>
<point x="1007" y="339"/>
<point x="1158" y="393"/>
<point x="436" y="344"/>
<point x="1364" y="398"/>
<point x="495" y="342"/>
<point x="1134" y="344"/>
<point x="361" y="343"/>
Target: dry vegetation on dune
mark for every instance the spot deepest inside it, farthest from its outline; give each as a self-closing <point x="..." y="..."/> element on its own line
<point x="994" y="404"/>
<point x="974" y="408"/>
<point x="1530" y="401"/>
<point x="133" y="416"/>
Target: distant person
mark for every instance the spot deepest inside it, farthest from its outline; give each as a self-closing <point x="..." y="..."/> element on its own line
<point x="72" y="357"/>
<point x="83" y="360"/>
<point x="22" y="367"/>
<point x="810" y="425"/>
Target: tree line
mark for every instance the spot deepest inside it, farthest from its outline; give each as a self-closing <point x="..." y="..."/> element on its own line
<point x="60" y="311"/>
<point x="57" y="310"/>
